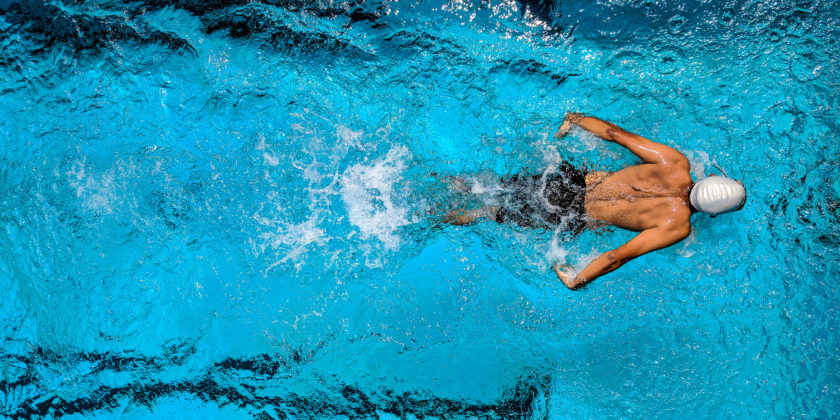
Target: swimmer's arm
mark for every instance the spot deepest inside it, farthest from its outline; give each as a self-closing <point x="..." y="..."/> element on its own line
<point x="646" y="241"/>
<point x="647" y="150"/>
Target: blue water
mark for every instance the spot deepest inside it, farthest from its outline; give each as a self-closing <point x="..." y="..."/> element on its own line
<point x="225" y="210"/>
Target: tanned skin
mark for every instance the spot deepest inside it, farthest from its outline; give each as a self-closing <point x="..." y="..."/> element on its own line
<point x="650" y="198"/>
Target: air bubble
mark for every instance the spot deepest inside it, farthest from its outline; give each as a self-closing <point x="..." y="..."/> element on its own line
<point x="727" y="16"/>
<point x="675" y="24"/>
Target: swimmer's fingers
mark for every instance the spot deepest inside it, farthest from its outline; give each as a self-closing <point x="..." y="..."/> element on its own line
<point x="571" y="118"/>
<point x="563" y="130"/>
<point x="565" y="268"/>
<point x="567" y="275"/>
<point x="563" y="271"/>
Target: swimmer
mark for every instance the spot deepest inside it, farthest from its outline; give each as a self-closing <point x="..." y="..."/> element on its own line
<point x="655" y="198"/>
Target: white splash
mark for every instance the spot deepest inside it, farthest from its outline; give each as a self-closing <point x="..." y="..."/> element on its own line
<point x="587" y="140"/>
<point x="556" y="253"/>
<point x="686" y="250"/>
<point x="479" y="187"/>
<point x="698" y="160"/>
<point x="479" y="184"/>
<point x="578" y="141"/>
<point x="268" y="154"/>
<point x="368" y="194"/>
<point x="96" y="192"/>
<point x="572" y="256"/>
<point x="551" y="156"/>
<point x="350" y="137"/>
<point x="585" y="259"/>
<point x="291" y="239"/>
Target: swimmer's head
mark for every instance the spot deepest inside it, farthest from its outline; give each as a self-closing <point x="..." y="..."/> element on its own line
<point x="717" y="194"/>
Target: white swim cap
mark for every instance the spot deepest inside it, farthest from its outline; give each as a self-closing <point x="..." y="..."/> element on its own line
<point x="717" y="194"/>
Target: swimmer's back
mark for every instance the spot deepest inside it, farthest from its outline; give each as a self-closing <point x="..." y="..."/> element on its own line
<point x="642" y="196"/>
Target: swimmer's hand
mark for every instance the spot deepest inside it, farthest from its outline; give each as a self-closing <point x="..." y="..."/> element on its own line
<point x="563" y="130"/>
<point x="566" y="274"/>
<point x="571" y="118"/>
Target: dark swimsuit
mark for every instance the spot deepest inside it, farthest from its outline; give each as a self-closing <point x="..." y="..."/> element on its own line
<point x="549" y="201"/>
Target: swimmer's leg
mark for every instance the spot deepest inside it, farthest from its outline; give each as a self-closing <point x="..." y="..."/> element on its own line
<point x="462" y="217"/>
<point x="456" y="183"/>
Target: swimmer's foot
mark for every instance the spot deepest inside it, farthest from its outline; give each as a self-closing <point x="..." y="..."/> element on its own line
<point x="462" y="217"/>
<point x="456" y="183"/>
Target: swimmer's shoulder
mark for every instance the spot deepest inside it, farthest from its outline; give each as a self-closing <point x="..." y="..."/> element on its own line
<point x="675" y="174"/>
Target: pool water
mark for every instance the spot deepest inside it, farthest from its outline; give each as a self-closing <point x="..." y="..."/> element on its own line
<point x="230" y="209"/>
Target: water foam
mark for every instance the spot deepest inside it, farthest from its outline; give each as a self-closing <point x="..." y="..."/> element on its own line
<point x="96" y="192"/>
<point x="556" y="253"/>
<point x="698" y="160"/>
<point x="368" y="194"/>
<point x="350" y="137"/>
<point x="268" y="154"/>
<point x="291" y="239"/>
<point x="574" y="257"/>
<point x="586" y="140"/>
<point x="686" y="249"/>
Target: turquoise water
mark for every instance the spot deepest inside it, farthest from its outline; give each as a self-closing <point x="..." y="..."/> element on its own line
<point x="225" y="210"/>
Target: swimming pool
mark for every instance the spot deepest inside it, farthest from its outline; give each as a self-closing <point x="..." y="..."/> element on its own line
<point x="222" y="209"/>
